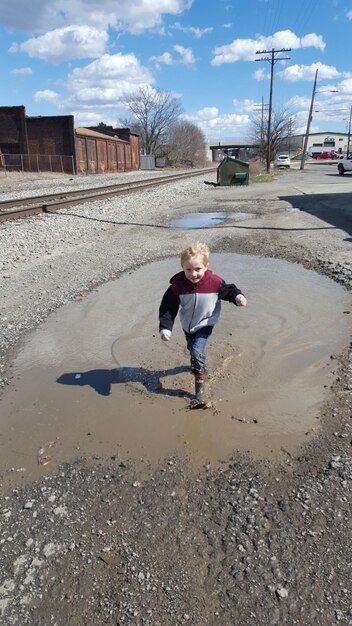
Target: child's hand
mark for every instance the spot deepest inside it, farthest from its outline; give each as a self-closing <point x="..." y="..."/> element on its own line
<point x="165" y="337"/>
<point x="241" y="300"/>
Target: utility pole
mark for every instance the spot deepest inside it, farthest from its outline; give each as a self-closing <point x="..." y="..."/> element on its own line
<point x="262" y="108"/>
<point x="272" y="59"/>
<point x="289" y="135"/>
<point x="349" y="133"/>
<point x="310" y="117"/>
<point x="262" y="123"/>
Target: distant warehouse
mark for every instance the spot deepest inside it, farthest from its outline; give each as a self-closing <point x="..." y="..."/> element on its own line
<point x="52" y="144"/>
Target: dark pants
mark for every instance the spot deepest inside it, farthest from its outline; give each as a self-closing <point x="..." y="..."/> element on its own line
<point x="196" y="343"/>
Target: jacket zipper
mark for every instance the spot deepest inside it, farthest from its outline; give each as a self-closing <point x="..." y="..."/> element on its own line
<point x="194" y="306"/>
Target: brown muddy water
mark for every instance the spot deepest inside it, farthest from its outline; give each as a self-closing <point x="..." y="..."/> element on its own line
<point x="96" y="379"/>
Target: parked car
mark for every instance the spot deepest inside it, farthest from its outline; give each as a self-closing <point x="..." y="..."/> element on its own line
<point x="282" y="160"/>
<point x="324" y="155"/>
<point x="345" y="165"/>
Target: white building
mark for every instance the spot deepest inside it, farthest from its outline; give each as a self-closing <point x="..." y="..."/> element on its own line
<point x="326" y="142"/>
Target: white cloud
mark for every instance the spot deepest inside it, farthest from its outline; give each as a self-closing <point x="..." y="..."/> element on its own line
<point x="164" y="58"/>
<point x="90" y="118"/>
<point x="214" y="125"/>
<point x="349" y="15"/>
<point x="108" y="79"/>
<point x="245" y="106"/>
<point x="245" y="49"/>
<point x="186" y="57"/>
<point x="345" y="86"/>
<point x="229" y="25"/>
<point x="313" y="41"/>
<point x="63" y="44"/>
<point x="298" y="102"/>
<point x="261" y="74"/>
<point x="186" y="54"/>
<point x="229" y="122"/>
<point x="197" y="32"/>
<point x="294" y="73"/>
<point x="328" y="107"/>
<point x="47" y="95"/>
<point x="207" y="113"/>
<point x="134" y="17"/>
<point x="24" y="71"/>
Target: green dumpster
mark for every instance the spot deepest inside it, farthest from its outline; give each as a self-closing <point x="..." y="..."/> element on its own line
<point x="232" y="171"/>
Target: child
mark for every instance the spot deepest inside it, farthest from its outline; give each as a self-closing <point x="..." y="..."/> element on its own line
<point x="198" y="291"/>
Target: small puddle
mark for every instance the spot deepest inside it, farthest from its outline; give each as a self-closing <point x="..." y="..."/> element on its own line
<point x="206" y="220"/>
<point x="96" y="379"/>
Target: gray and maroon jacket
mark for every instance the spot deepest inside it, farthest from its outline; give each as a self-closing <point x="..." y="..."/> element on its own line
<point x="200" y="302"/>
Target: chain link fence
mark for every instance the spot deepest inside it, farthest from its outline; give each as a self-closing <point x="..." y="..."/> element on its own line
<point x="37" y="163"/>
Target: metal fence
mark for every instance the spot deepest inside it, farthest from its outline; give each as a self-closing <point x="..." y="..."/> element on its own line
<point x="147" y="161"/>
<point x="37" y="163"/>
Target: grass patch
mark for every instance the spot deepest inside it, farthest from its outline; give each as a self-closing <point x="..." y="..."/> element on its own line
<point x="260" y="178"/>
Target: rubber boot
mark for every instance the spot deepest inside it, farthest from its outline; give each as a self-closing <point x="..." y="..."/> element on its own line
<point x="199" y="389"/>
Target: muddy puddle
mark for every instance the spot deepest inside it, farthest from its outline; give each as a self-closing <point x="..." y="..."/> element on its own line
<point x="96" y="379"/>
<point x="207" y="219"/>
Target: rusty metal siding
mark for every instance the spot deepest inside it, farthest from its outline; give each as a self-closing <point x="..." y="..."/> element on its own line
<point x="81" y="155"/>
<point x="120" y="157"/>
<point x="50" y="134"/>
<point x="102" y="156"/>
<point x="13" y="131"/>
<point x="112" y="156"/>
<point x="92" y="161"/>
<point x="52" y="142"/>
<point x="135" y="152"/>
<point x="128" y="157"/>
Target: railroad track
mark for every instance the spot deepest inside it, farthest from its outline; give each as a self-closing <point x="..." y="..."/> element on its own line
<point x="25" y="207"/>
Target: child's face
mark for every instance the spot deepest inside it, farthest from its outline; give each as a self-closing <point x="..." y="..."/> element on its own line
<point x="194" y="268"/>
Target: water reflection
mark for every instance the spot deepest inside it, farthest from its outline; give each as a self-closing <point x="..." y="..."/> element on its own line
<point x="206" y="220"/>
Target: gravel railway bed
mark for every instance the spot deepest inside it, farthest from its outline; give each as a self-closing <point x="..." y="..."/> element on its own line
<point x="15" y="208"/>
<point x="16" y="186"/>
<point x="245" y="544"/>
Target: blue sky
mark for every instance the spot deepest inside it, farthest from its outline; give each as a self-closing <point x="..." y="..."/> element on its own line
<point x="81" y="57"/>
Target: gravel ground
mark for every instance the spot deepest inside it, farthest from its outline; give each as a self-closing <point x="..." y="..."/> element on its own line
<point x="24" y="185"/>
<point x="246" y="543"/>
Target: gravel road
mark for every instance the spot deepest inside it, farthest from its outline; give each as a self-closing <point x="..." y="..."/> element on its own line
<point x="103" y="542"/>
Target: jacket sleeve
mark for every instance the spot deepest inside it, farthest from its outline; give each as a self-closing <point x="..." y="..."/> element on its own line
<point x="168" y="310"/>
<point x="228" y="292"/>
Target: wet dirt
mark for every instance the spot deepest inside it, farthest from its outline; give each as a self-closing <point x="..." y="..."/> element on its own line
<point x="95" y="377"/>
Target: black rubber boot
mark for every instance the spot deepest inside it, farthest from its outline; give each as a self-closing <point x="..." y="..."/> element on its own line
<point x="199" y="389"/>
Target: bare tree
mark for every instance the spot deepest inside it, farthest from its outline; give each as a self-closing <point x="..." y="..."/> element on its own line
<point x="282" y="129"/>
<point x="152" y="112"/>
<point x="186" y="145"/>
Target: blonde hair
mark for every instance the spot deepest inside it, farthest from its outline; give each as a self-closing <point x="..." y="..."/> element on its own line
<point x="195" y="249"/>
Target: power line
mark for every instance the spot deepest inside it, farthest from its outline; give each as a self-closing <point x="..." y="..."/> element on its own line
<point x="303" y="14"/>
<point x="277" y="15"/>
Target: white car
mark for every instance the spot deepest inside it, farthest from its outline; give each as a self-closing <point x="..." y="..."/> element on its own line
<point x="345" y="164"/>
<point x="282" y="160"/>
